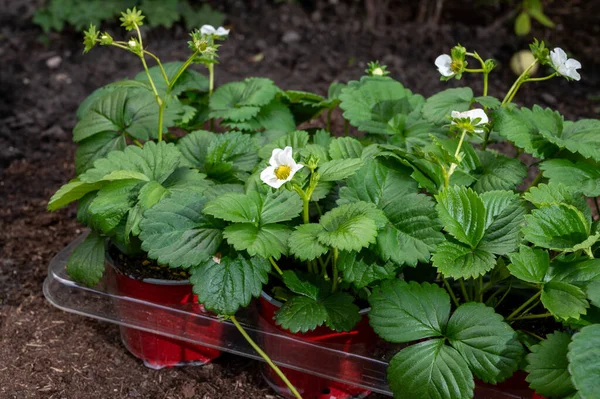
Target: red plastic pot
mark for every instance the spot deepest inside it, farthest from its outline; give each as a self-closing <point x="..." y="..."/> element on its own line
<point x="360" y="340"/>
<point x="158" y="351"/>
<point x="514" y="387"/>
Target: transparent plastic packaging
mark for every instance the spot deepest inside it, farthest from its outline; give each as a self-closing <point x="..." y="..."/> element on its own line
<point x="104" y="302"/>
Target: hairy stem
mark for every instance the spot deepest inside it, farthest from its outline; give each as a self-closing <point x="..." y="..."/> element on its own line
<point x="181" y="70"/>
<point x="515" y="87"/>
<point x="524" y="305"/>
<point x="162" y="70"/>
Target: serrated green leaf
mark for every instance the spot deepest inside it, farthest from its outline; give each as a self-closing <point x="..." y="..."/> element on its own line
<point x="577" y="271"/>
<point x="579" y="137"/>
<point x="488" y="101"/>
<point x="194" y="147"/>
<point x="304" y="243"/>
<point x="504" y="218"/>
<point x="300" y="284"/>
<point x="547" y="366"/>
<point x="275" y="116"/>
<point x="235" y="207"/>
<point x="342" y="313"/>
<point x="592" y="290"/>
<point x="439" y="106"/>
<point x="228" y="155"/>
<point x="241" y="101"/>
<point x="112" y="203"/>
<point x="86" y="263"/>
<point x="280" y="206"/>
<point x="559" y="227"/>
<point x="529" y="264"/>
<point x="345" y="147"/>
<point x="557" y="193"/>
<point x="269" y="240"/>
<point x="96" y="147"/>
<point x="457" y="260"/>
<point x="301" y="314"/>
<point x="351" y="227"/>
<point x="578" y="176"/>
<point x="430" y="370"/>
<point x="72" y="191"/>
<point x="297" y="140"/>
<point x="485" y="341"/>
<point x="404" y="312"/>
<point x="177" y="233"/>
<point x="339" y="169"/>
<point x="363" y="270"/>
<point x="463" y="214"/>
<point x="564" y="300"/>
<point x="497" y="172"/>
<point x="231" y="283"/>
<point x="584" y="361"/>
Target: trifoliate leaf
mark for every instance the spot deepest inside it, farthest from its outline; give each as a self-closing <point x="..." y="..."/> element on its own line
<point x="486" y="342"/>
<point x="189" y="80"/>
<point x="463" y="214"/>
<point x="265" y="240"/>
<point x="564" y="300"/>
<point x="241" y="101"/>
<point x="362" y="270"/>
<point x="297" y="140"/>
<point x="430" y="370"/>
<point x="96" y="147"/>
<point x="339" y="169"/>
<point x="194" y="147"/>
<point x="231" y="283"/>
<point x="557" y="193"/>
<point x="351" y="227"/>
<point x="580" y="137"/>
<point x="86" y="264"/>
<point x="547" y="366"/>
<point x="228" y="155"/>
<point x="504" y="218"/>
<point x="458" y="260"/>
<point x="304" y="243"/>
<point x="526" y="129"/>
<point x="559" y="227"/>
<point x="529" y="264"/>
<point x="497" y="172"/>
<point x="404" y="312"/>
<point x="578" y="176"/>
<point x="177" y="233"/>
<point x="584" y="361"/>
<point x="438" y="107"/>
<point x="345" y="147"/>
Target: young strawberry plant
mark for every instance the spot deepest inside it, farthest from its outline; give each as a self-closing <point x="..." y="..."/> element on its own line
<point x="421" y="217"/>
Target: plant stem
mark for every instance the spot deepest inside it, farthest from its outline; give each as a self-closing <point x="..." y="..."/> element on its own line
<point x="211" y="78"/>
<point x="540" y="79"/>
<point x="305" y="210"/>
<point x="524" y="305"/>
<point x="474" y="70"/>
<point x="161" y="112"/>
<point x="531" y="317"/>
<point x="538" y="178"/>
<point x="515" y="87"/>
<point x="137" y="142"/>
<point x="463" y="290"/>
<point x="456" y="153"/>
<point x="265" y="356"/>
<point x="529" y="309"/>
<point x="346" y="124"/>
<point x="450" y="291"/>
<point x="275" y="265"/>
<point x="334" y="276"/>
<point x="503" y="296"/>
<point x="181" y="70"/>
<point x="480" y="288"/>
<point x="162" y="70"/>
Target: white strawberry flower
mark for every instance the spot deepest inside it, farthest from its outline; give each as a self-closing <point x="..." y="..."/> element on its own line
<point x="210" y="30"/>
<point x="565" y="66"/>
<point x="472" y="115"/>
<point x="281" y="169"/>
<point x="444" y="65"/>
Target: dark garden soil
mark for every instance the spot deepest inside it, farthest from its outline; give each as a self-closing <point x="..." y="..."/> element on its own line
<point x="46" y="353"/>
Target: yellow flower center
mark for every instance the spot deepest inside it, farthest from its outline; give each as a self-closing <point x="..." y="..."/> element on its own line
<point x="456" y="66"/>
<point x="283" y="172"/>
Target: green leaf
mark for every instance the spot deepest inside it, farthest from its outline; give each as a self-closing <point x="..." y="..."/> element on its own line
<point x="497" y="172"/>
<point x="86" y="264"/>
<point x="280" y="206"/>
<point x="112" y="203"/>
<point x="339" y="169"/>
<point x="344" y="148"/>
<point x="529" y="264"/>
<point x="404" y="312"/>
<point x="351" y="227"/>
<point x="275" y="116"/>
<point x="457" y="260"/>
<point x="96" y="147"/>
<point x="177" y="233"/>
<point x="578" y="176"/>
<point x="539" y="16"/>
<point x="527" y="128"/>
<point x="564" y="300"/>
<point x="558" y="227"/>
<point x="300" y="284"/>
<point x="72" y="191"/>
<point x="592" y="290"/>
<point x="266" y="241"/>
<point x="235" y="207"/>
<point x="584" y="361"/>
<point x="547" y="366"/>
<point x="342" y="313"/>
<point x="363" y="270"/>
<point x="439" y="106"/>
<point x="522" y="24"/>
<point x="194" y="147"/>
<point x="241" y="101"/>
<point x="557" y="193"/>
<point x="579" y="137"/>
<point x="231" y="283"/>
<point x="488" y="101"/>
<point x="230" y="156"/>
<point x="463" y="214"/>
<point x="580" y="270"/>
<point x="301" y="314"/>
<point x="297" y="140"/>
<point x="486" y="342"/>
<point x="504" y="218"/>
<point x="430" y="370"/>
<point x="304" y="243"/>
<point x="161" y="12"/>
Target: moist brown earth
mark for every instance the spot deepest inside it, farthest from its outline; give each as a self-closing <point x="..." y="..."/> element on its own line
<point x="47" y="353"/>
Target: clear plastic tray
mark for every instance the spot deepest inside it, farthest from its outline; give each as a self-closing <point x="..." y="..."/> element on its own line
<point x="103" y="304"/>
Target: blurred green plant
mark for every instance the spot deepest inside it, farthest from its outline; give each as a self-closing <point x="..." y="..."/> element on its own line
<point x="531" y="9"/>
<point x="55" y="15"/>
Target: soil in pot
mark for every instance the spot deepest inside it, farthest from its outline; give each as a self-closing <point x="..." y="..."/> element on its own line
<point x="361" y="340"/>
<point x="145" y="280"/>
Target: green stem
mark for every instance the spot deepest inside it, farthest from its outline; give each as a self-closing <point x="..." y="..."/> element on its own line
<point x="540" y="79"/>
<point x="334" y="276"/>
<point x="474" y="70"/>
<point x="531" y="317"/>
<point x="275" y="265"/>
<point x="161" y="112"/>
<point x="463" y="290"/>
<point x="486" y="76"/>
<point x="515" y="87"/>
<point x="211" y="78"/>
<point x="181" y="70"/>
<point x="524" y="305"/>
<point x="305" y="210"/>
<point x="346" y="124"/>
<point x="480" y="288"/>
<point x="503" y="296"/>
<point x="456" y="153"/>
<point x="266" y="357"/>
<point x="538" y="178"/>
<point x="137" y="142"/>
<point x="162" y="70"/>
<point x="450" y="291"/>
<point x="529" y="309"/>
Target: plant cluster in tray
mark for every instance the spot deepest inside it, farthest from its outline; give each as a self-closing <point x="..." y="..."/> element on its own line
<point x="417" y="216"/>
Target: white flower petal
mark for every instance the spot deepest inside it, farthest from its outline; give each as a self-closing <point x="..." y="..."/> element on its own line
<point x="268" y="177"/>
<point x="222" y="31"/>
<point x="274" y="157"/>
<point x="444" y="65"/>
<point x="558" y="57"/>
<point x="207" y="30"/>
<point x="472" y="115"/>
<point x="456" y="114"/>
